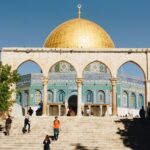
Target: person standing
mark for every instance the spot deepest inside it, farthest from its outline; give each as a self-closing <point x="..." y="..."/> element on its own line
<point x="46" y="143"/>
<point x="8" y="125"/>
<point x="30" y="111"/>
<point x="142" y="115"/>
<point x="56" y="125"/>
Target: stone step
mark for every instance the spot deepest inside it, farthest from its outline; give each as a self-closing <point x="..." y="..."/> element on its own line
<point x="87" y="133"/>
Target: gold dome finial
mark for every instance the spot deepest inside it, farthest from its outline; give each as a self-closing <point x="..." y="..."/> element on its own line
<point x="79" y="10"/>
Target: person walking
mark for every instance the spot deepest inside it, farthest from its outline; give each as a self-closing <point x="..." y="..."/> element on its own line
<point x="27" y="123"/>
<point x="56" y="125"/>
<point x="46" y="143"/>
<point x="8" y="125"/>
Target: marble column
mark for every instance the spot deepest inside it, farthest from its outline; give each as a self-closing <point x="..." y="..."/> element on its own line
<point x="79" y="82"/>
<point x="89" y="106"/>
<point x="101" y="110"/>
<point x="147" y="93"/>
<point x="106" y="113"/>
<point x="45" y="83"/>
<point x="59" y="110"/>
<point x="66" y="108"/>
<point x="114" y="100"/>
<point x="48" y="113"/>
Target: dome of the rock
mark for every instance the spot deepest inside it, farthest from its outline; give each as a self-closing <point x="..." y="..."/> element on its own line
<point x="79" y="33"/>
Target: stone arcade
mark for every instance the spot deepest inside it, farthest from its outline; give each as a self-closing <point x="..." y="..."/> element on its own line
<point x="79" y="69"/>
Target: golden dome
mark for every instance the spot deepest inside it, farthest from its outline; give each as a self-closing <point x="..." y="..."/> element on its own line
<point x="79" y="33"/>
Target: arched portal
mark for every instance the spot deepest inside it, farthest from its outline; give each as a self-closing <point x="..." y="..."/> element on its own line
<point x="62" y="82"/>
<point x="130" y="79"/>
<point x="72" y="104"/>
<point x="96" y="88"/>
<point x="30" y="85"/>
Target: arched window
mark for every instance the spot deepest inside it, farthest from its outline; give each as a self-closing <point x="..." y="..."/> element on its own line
<point x="50" y="96"/>
<point x="89" y="96"/>
<point x="61" y="96"/>
<point x="133" y="101"/>
<point x="38" y="97"/>
<point x="140" y="101"/>
<point x="101" y="97"/>
<point x="125" y="99"/>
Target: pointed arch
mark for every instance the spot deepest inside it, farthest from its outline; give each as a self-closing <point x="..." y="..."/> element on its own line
<point x="64" y="62"/>
<point x="133" y="100"/>
<point x="101" y="97"/>
<point x="50" y="96"/>
<point x="37" y="96"/>
<point x="89" y="96"/>
<point x="29" y="60"/>
<point x="140" y="100"/>
<point x="125" y="99"/>
<point x="97" y="61"/>
<point x="61" y="96"/>
<point x="137" y="64"/>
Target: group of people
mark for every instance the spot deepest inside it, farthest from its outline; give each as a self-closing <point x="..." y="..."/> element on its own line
<point x="26" y="128"/>
<point x="47" y="140"/>
<point x="56" y="125"/>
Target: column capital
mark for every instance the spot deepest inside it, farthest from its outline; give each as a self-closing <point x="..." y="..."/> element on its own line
<point x="79" y="81"/>
<point x="147" y="81"/>
<point x="113" y="80"/>
<point x="44" y="80"/>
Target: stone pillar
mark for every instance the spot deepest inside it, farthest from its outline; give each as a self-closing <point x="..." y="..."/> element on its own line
<point x="66" y="108"/>
<point x="106" y="113"/>
<point x="82" y="109"/>
<point x="45" y="83"/>
<point x="48" y="110"/>
<point x="59" y="110"/>
<point x="147" y="93"/>
<point x="89" y="106"/>
<point x="101" y="110"/>
<point x="79" y="82"/>
<point x="114" y="100"/>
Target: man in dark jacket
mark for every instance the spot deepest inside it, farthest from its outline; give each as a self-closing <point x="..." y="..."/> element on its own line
<point x="30" y="111"/>
<point x="142" y="114"/>
<point x="27" y="122"/>
<point x="8" y="125"/>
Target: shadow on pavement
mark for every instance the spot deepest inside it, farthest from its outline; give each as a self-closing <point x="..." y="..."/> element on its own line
<point x="78" y="146"/>
<point x="135" y="134"/>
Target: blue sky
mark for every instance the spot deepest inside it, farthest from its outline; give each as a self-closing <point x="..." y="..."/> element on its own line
<point x="28" y="22"/>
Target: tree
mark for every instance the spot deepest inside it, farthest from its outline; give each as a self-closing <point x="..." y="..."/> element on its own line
<point x="8" y="78"/>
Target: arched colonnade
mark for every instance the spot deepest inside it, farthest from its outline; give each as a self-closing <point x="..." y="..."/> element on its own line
<point x="112" y="58"/>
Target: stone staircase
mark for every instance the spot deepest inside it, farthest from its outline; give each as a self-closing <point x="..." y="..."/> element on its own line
<point x="77" y="133"/>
